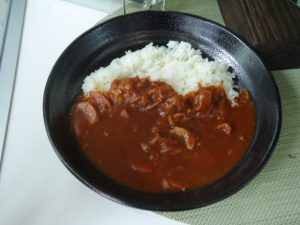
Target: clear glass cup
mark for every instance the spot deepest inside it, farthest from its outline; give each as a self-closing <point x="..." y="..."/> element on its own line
<point x="131" y="6"/>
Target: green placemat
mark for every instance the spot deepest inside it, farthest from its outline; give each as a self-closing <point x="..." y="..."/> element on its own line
<point x="273" y="197"/>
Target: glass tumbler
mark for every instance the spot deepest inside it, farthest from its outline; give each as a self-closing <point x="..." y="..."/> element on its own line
<point x="131" y="6"/>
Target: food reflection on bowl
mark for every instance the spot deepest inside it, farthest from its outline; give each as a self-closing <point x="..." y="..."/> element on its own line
<point x="176" y="135"/>
<point x="144" y="134"/>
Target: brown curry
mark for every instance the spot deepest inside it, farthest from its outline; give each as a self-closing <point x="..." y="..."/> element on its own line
<point x="145" y="135"/>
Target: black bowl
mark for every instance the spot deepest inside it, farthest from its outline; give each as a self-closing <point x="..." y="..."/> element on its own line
<point x="101" y="44"/>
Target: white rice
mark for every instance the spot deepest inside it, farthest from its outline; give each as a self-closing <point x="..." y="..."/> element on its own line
<point x="178" y="64"/>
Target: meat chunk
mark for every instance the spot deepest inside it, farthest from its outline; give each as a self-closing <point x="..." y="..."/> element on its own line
<point x="172" y="121"/>
<point x="123" y="90"/>
<point x="170" y="149"/>
<point x="124" y="114"/>
<point x="150" y="106"/>
<point x="140" y="101"/>
<point x="203" y="100"/>
<point x="88" y="112"/>
<point x="189" y="138"/>
<point x="132" y="97"/>
<point x="161" y="93"/>
<point x="100" y="101"/>
<point x="143" y="83"/>
<point x="167" y="145"/>
<point x="144" y="101"/>
<point x="176" y="118"/>
<point x="171" y="105"/>
<point x="225" y="128"/>
<point x="148" y="98"/>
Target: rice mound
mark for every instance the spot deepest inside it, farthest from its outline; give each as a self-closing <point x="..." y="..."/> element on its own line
<point x="178" y="64"/>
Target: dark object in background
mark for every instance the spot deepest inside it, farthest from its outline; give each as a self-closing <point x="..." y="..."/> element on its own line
<point x="272" y="27"/>
<point x="101" y="44"/>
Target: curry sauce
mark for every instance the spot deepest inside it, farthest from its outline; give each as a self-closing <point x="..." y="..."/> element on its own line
<point x="145" y="135"/>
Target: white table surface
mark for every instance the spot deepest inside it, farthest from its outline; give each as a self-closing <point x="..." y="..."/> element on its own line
<point x="35" y="187"/>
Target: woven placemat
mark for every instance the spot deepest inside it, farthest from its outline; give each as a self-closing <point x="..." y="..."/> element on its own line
<point x="273" y="197"/>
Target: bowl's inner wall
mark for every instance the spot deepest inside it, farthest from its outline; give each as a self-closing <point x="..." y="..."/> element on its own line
<point x="99" y="46"/>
